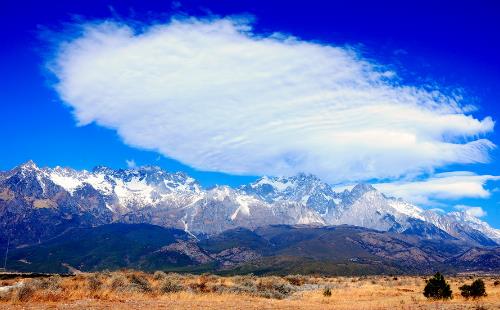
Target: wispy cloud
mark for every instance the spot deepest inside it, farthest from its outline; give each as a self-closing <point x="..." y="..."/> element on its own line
<point x="474" y="211"/>
<point x="440" y="187"/>
<point x="217" y="96"/>
<point x="130" y="163"/>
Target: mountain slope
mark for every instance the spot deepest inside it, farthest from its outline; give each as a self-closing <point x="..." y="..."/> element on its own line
<point x="366" y="207"/>
<point x="34" y="208"/>
<point x="105" y="247"/>
<point x="39" y="203"/>
<point x="303" y="188"/>
<point x="276" y="249"/>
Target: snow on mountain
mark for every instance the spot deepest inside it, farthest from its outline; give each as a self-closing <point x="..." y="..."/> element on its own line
<point x="364" y="206"/>
<point x="406" y="208"/>
<point x="303" y="188"/>
<point x="132" y="188"/>
<point x="476" y="224"/>
<point x="370" y="210"/>
<point x="464" y="226"/>
<point x="224" y="208"/>
<point x="71" y="180"/>
<point x="152" y="195"/>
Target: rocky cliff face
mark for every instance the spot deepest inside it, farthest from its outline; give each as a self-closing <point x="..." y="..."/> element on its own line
<point x="33" y="208"/>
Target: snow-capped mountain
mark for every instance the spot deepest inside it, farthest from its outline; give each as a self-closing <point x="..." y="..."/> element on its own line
<point x="305" y="189"/>
<point x="37" y="203"/>
<point x="62" y="197"/>
<point x="130" y="189"/>
<point x="366" y="207"/>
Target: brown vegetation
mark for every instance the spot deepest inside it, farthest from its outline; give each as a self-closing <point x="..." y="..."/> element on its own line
<point x="138" y="290"/>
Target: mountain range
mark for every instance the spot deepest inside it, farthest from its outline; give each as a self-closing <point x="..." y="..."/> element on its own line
<point x="42" y="206"/>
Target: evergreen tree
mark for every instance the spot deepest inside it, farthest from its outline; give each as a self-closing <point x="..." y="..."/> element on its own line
<point x="437" y="288"/>
<point x="475" y="290"/>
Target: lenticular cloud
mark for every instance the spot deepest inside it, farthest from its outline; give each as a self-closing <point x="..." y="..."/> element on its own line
<point x="217" y="96"/>
<point x="440" y="187"/>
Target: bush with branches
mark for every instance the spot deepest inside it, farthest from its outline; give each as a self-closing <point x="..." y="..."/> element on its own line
<point x="437" y="288"/>
<point x="327" y="292"/>
<point x="475" y="290"/>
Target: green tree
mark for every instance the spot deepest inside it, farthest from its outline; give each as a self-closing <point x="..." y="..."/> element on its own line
<point x="437" y="288"/>
<point x="475" y="290"/>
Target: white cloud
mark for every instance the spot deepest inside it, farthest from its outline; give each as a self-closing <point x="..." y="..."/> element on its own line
<point x="474" y="211"/>
<point x="131" y="163"/>
<point x="438" y="210"/>
<point x="217" y="96"/>
<point x="440" y="187"/>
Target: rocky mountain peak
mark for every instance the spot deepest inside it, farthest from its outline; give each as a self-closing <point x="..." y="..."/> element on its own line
<point x="102" y="169"/>
<point x="152" y="195"/>
<point x="307" y="177"/>
<point x="29" y="165"/>
<point x="361" y="189"/>
<point x="301" y="184"/>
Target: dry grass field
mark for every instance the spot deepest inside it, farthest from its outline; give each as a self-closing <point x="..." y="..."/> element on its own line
<point x="137" y="290"/>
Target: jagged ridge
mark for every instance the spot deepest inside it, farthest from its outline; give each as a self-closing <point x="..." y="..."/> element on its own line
<point x="32" y="198"/>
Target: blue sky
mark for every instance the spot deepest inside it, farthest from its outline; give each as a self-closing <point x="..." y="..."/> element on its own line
<point x="449" y="47"/>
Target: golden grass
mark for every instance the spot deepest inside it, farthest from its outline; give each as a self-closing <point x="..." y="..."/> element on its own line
<point x="137" y="290"/>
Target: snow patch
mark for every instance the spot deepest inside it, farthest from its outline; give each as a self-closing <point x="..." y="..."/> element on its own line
<point x="276" y="183"/>
<point x="244" y="206"/>
<point x="407" y="209"/>
<point x="69" y="183"/>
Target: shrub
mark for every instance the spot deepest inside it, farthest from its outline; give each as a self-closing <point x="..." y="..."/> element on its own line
<point x="220" y="288"/>
<point x="276" y="284"/>
<point x="248" y="281"/>
<point x="465" y="290"/>
<point x="268" y="287"/>
<point x="159" y="275"/>
<point x="24" y="293"/>
<point x="169" y="286"/>
<point x="437" y="288"/>
<point x="118" y="282"/>
<point x="93" y="283"/>
<point x="244" y="285"/>
<point x="268" y="293"/>
<point x="209" y="277"/>
<point x="296" y="280"/>
<point x="139" y="283"/>
<point x="201" y="286"/>
<point x="240" y="289"/>
<point x="5" y="296"/>
<point x="496" y="283"/>
<point x="47" y="289"/>
<point x="327" y="292"/>
<point x="475" y="290"/>
<point x="50" y="283"/>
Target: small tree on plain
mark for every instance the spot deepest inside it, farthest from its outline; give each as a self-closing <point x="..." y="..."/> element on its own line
<point x="437" y="288"/>
<point x="475" y="290"/>
<point x="327" y="292"/>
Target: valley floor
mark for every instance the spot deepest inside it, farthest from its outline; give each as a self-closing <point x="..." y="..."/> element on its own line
<point x="133" y="290"/>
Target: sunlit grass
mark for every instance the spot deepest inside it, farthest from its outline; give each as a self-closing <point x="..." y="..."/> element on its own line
<point x="133" y="289"/>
